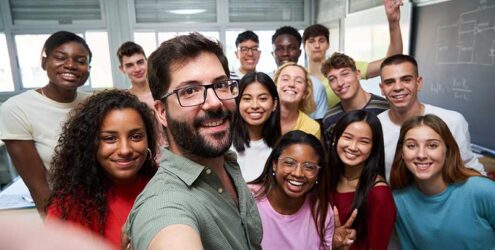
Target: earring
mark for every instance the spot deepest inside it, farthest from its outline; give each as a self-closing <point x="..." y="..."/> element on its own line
<point x="316" y="183"/>
<point x="149" y="153"/>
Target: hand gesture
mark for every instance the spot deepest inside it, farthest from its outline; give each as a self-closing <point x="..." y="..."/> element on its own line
<point x="392" y="9"/>
<point x="343" y="235"/>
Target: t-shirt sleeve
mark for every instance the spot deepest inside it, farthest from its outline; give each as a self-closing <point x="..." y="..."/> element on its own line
<point x="329" y="230"/>
<point x="484" y="193"/>
<point x="381" y="217"/>
<point x="14" y="124"/>
<point x="320" y="100"/>
<point x="149" y="216"/>
<point x="363" y="68"/>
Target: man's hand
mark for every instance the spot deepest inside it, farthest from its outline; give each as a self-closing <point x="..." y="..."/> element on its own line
<point x="126" y="242"/>
<point x="343" y="235"/>
<point x="392" y="9"/>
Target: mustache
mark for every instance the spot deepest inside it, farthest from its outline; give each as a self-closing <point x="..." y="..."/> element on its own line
<point x="218" y="114"/>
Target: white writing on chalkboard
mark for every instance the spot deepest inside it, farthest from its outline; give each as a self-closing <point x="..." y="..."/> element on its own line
<point x="471" y="40"/>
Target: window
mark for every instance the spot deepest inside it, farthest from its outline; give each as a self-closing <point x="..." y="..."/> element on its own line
<point x="188" y="11"/>
<point x="33" y="76"/>
<point x="6" y="82"/>
<point x="266" y="11"/>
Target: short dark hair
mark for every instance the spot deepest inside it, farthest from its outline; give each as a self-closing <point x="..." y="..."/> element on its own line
<point x="245" y="36"/>
<point x="315" y="30"/>
<point x="399" y="59"/>
<point x="338" y="61"/>
<point x="271" y="128"/>
<point x="60" y="37"/>
<point x="287" y="30"/>
<point x="129" y="48"/>
<point x="179" y="50"/>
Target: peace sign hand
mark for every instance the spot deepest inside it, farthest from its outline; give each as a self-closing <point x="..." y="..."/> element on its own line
<point x="343" y="235"/>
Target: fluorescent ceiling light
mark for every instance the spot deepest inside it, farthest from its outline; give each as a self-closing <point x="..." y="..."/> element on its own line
<point x="187" y="11"/>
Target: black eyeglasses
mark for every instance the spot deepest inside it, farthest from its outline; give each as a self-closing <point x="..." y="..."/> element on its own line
<point x="194" y="95"/>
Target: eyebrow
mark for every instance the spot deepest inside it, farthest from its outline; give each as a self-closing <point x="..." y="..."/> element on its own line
<point x="115" y="132"/>
<point x="195" y="82"/>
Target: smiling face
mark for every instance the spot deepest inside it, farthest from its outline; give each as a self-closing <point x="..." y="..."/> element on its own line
<point x="400" y="85"/>
<point x="248" y="54"/>
<point x="67" y="66"/>
<point x="316" y="47"/>
<point x="291" y="85"/>
<point x="203" y="130"/>
<point x="135" y="67"/>
<point x="286" y="49"/>
<point x="256" y="104"/>
<point x="294" y="182"/>
<point x="344" y="82"/>
<point x="424" y="153"/>
<point x="122" y="147"/>
<point x="355" y="144"/>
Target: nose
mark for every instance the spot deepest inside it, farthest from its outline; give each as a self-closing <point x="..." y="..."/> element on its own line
<point x="211" y="100"/>
<point x="298" y="170"/>
<point x="125" y="148"/>
<point x="421" y="154"/>
<point x="70" y="63"/>
<point x="398" y="86"/>
<point x="353" y="145"/>
<point x="340" y="82"/>
<point x="255" y="104"/>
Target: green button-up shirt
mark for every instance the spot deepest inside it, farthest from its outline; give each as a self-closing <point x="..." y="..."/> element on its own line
<point x="184" y="192"/>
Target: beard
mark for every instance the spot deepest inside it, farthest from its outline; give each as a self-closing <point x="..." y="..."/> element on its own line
<point x="188" y="138"/>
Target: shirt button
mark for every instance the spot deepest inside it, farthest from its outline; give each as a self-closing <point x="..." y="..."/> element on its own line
<point x="220" y="190"/>
<point x="208" y="171"/>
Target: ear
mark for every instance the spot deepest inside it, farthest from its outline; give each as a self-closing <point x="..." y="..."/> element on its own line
<point x="236" y="55"/>
<point x="275" y="103"/>
<point x="161" y="114"/>
<point x="121" y="69"/>
<point x="43" y="62"/>
<point x="381" y="88"/>
<point x="420" y="83"/>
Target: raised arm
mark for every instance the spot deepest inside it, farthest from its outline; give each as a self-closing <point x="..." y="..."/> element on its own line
<point x="30" y="167"/>
<point x="176" y="237"/>
<point x="392" y="9"/>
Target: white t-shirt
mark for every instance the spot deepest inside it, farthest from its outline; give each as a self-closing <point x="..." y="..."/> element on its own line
<point x="253" y="159"/>
<point x="32" y="116"/>
<point x="455" y="121"/>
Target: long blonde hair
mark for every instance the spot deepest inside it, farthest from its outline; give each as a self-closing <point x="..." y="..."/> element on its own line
<point x="307" y="105"/>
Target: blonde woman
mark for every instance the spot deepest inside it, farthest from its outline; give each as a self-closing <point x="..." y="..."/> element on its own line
<point x="295" y="91"/>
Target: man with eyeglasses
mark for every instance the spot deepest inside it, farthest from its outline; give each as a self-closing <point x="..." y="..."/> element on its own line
<point x="198" y="198"/>
<point x="248" y="53"/>
<point x="286" y="43"/>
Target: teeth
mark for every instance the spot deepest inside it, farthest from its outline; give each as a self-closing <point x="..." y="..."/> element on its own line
<point x="399" y="96"/>
<point x="68" y="75"/>
<point x="255" y="115"/>
<point x="295" y="183"/>
<point x="290" y="92"/>
<point x="213" y="124"/>
<point x="422" y="165"/>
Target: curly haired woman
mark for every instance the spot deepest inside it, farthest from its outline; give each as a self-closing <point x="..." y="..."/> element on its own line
<point x="104" y="158"/>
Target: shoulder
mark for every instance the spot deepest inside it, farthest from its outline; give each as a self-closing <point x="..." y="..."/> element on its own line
<point x="19" y="100"/>
<point x="479" y="184"/>
<point x="448" y="116"/>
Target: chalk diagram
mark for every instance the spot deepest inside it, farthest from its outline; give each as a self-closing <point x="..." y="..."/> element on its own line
<point x="469" y="41"/>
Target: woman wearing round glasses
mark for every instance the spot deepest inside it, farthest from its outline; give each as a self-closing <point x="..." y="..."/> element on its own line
<point x="357" y="179"/>
<point x="292" y="195"/>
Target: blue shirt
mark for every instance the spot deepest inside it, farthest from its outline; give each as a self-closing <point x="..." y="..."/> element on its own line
<point x="461" y="217"/>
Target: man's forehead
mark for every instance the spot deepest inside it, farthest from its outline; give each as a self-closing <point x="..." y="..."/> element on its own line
<point x="133" y="57"/>
<point x="286" y="39"/>
<point x="248" y="43"/>
<point x="187" y="70"/>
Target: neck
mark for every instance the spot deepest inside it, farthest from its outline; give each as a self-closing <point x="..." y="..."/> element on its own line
<point x="314" y="68"/>
<point x="352" y="173"/>
<point x="399" y="116"/>
<point x="216" y="163"/>
<point x="255" y="132"/>
<point x="138" y="88"/>
<point x="288" y="117"/>
<point x="58" y="94"/>
<point x="431" y="187"/>
<point x="282" y="203"/>
<point x="245" y="71"/>
<point x="357" y="102"/>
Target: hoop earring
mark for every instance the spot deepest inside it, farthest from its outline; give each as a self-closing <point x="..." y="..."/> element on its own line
<point x="149" y="153"/>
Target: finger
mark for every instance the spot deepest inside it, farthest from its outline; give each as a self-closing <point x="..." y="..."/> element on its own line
<point x="351" y="219"/>
<point x="336" y="219"/>
<point x="351" y="234"/>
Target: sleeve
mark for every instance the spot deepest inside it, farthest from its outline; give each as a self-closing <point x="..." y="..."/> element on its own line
<point x="485" y="199"/>
<point x="462" y="137"/>
<point x="381" y="217"/>
<point x="363" y="68"/>
<point x="329" y="230"/>
<point x="155" y="213"/>
<point x="14" y="123"/>
<point x="320" y="97"/>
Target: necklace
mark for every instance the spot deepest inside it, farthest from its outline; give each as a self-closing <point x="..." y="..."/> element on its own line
<point x="351" y="179"/>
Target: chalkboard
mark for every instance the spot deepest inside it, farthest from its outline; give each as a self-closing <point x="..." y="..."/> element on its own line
<point x="454" y="44"/>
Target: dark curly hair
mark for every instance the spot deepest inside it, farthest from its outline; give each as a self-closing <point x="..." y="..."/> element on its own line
<point x="79" y="182"/>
